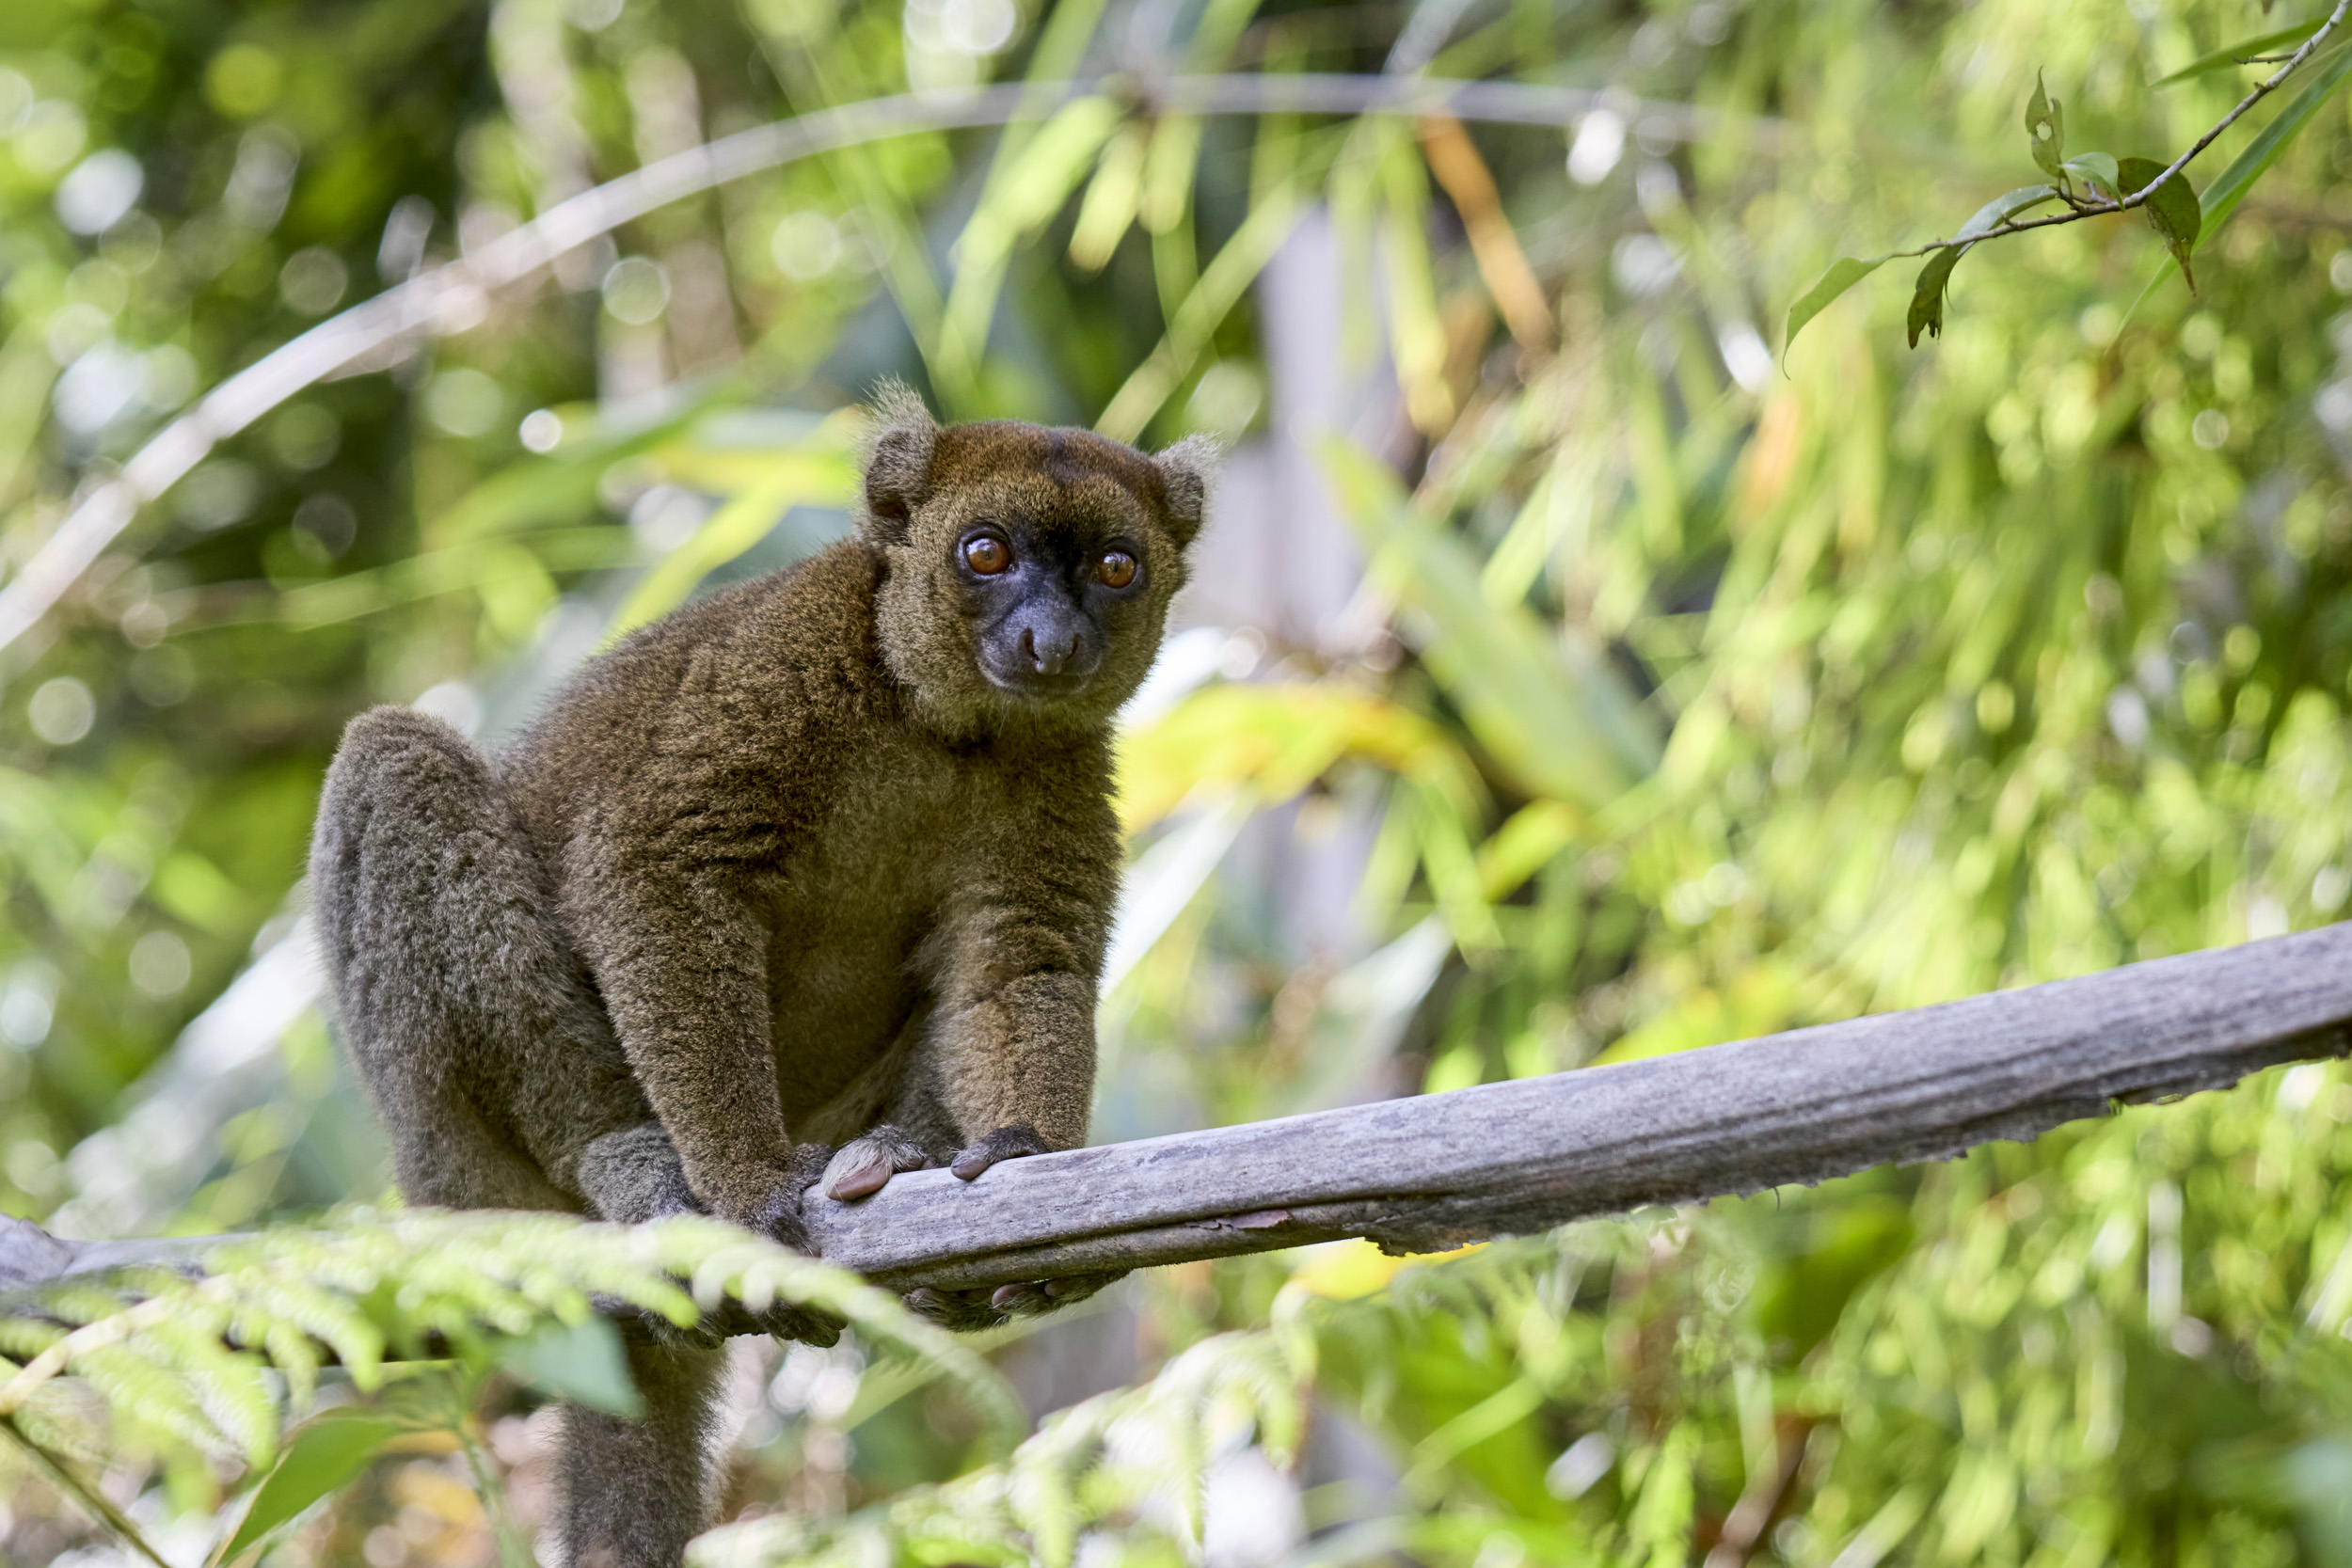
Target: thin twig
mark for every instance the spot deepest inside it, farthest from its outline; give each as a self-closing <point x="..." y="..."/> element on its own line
<point x="2079" y="210"/>
<point x="453" y="298"/>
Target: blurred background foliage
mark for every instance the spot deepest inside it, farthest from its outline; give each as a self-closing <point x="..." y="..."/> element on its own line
<point x="1567" y="679"/>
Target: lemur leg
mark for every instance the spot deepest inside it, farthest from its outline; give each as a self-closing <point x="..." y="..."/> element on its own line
<point x="494" y="1069"/>
<point x="471" y="1018"/>
<point x="635" y="1492"/>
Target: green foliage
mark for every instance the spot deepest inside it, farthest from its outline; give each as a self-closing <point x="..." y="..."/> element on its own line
<point x="154" y="1361"/>
<point x="2171" y="206"/>
<point x="1679" y="704"/>
<point x="1133" y="1459"/>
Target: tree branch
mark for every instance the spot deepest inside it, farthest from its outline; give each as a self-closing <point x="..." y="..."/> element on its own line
<point x="1435" y="1171"/>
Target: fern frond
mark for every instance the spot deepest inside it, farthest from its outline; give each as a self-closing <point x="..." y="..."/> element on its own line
<point x="178" y="1361"/>
<point x="1125" y="1468"/>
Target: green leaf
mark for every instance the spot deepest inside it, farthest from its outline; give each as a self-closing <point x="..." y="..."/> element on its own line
<point x="2045" y="127"/>
<point x="581" y="1362"/>
<point x="2002" y="208"/>
<point x="2229" y="188"/>
<point x="1554" y="713"/>
<point x="2172" y="208"/>
<point x="2095" y="170"/>
<point x="323" y="1456"/>
<point x="1843" y="275"/>
<point x="2232" y="56"/>
<point x="1927" y="295"/>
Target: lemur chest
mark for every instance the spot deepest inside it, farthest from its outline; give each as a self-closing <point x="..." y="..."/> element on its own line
<point x="852" y="906"/>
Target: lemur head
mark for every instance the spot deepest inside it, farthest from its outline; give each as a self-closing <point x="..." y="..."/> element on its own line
<point x="1028" y="570"/>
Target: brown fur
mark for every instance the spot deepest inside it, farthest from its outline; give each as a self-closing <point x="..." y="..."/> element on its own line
<point x="797" y="860"/>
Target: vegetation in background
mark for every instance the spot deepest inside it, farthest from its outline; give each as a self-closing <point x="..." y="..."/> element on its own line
<point x="1693" y="692"/>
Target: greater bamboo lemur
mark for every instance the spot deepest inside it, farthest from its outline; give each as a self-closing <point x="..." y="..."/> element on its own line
<point x="826" y="859"/>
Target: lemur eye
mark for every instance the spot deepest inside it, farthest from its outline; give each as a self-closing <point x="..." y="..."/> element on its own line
<point x="1117" y="568"/>
<point x="987" y="554"/>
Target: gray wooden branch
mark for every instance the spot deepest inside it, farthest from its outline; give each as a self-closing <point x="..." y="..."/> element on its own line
<point x="1435" y="1171"/>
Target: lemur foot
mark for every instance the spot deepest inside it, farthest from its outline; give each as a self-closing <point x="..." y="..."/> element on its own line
<point x="1031" y="1297"/>
<point x="778" y="1215"/>
<point x="963" y="1311"/>
<point x="706" y="1332"/>
<point x="863" y="1166"/>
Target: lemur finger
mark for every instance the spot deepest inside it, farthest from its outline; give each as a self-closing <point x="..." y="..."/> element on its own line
<point x="863" y="1166"/>
<point x="1031" y="1297"/>
<point x="777" y="1215"/>
<point x="804" y="1323"/>
<point x="962" y="1311"/>
<point x="1077" y="1287"/>
<point x="1006" y="1143"/>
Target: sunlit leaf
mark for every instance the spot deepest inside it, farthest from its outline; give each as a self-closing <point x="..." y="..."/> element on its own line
<point x="1557" y="718"/>
<point x="2005" y="207"/>
<point x="790" y="479"/>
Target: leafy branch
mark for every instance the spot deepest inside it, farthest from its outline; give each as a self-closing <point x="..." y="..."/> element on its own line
<point x="2099" y="184"/>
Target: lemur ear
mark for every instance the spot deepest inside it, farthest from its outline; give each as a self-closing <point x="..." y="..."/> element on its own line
<point x="898" y="450"/>
<point x="1186" y="469"/>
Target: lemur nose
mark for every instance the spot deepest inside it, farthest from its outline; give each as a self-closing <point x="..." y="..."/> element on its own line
<point x="1051" y="660"/>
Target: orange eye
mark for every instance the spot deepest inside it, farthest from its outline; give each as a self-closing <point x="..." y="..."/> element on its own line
<point x="1117" y="568"/>
<point x="987" y="554"/>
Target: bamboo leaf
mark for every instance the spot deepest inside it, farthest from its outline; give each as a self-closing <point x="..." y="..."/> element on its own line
<point x="2229" y="188"/>
<point x="1023" y="194"/>
<point x="792" y="479"/>
<point x="2231" y="56"/>
<point x="1207" y="303"/>
<point x="1843" y="275"/>
<point x="1110" y="207"/>
<point x="1558" y="718"/>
